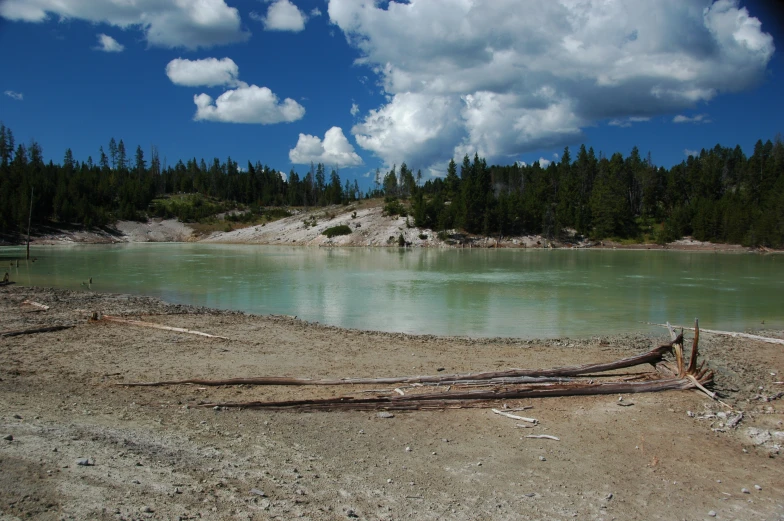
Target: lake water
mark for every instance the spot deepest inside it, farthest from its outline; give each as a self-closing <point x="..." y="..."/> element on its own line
<point x="518" y="293"/>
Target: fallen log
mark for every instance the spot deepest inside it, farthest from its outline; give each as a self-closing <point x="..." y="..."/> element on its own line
<point x="733" y="334"/>
<point x="141" y="323"/>
<point x="20" y="332"/>
<point x="467" y="399"/>
<point x="651" y="357"/>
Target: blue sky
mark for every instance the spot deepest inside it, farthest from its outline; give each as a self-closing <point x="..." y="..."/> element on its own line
<point x="276" y="81"/>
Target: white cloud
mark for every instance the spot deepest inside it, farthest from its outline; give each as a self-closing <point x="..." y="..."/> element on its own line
<point x="627" y="122"/>
<point x="315" y="12"/>
<point x="282" y="15"/>
<point x="247" y="104"/>
<point x="108" y="44"/>
<point x="687" y="152"/>
<point x="526" y="75"/>
<point x="18" y="96"/>
<point x="283" y="175"/>
<point x="354" y="109"/>
<point x="544" y="163"/>
<point x="334" y="150"/>
<point x="165" y="23"/>
<point x="699" y="118"/>
<point x="208" y="72"/>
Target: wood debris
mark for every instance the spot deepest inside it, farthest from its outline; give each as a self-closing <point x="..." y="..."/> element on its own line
<point x="141" y="323"/>
<point x="500" y="385"/>
<point x="37" y="305"/>
<point x="32" y="331"/>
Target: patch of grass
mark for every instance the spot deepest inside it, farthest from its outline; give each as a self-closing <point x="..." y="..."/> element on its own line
<point x="334" y="231"/>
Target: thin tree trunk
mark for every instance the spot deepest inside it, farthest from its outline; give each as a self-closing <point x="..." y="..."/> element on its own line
<point x="29" y="220"/>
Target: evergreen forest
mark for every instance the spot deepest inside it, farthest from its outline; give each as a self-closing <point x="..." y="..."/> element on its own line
<point x="721" y="195"/>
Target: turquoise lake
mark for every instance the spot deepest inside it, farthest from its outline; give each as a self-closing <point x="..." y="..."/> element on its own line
<point x="487" y="293"/>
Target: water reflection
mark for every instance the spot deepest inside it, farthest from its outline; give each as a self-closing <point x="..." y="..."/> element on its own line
<point x="448" y="292"/>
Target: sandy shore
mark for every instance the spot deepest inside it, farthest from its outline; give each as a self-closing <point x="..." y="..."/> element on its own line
<point x="153" y="453"/>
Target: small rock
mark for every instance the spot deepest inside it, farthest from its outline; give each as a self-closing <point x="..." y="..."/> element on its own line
<point x="389" y="481"/>
<point x="479" y="464"/>
<point x="84" y="462"/>
<point x="136" y="482"/>
<point x="146" y="509"/>
<point x="408" y="449"/>
<point x="351" y="513"/>
<point x="216" y="408"/>
<point x="712" y="513"/>
<point x="257" y="492"/>
<point x="300" y="492"/>
<point x="609" y="496"/>
<point x="440" y="369"/>
<point x="758" y="487"/>
<point x="384" y="415"/>
<point x="530" y="494"/>
<point x="745" y="491"/>
<point x="16" y="416"/>
<point x="9" y="437"/>
<point x="542" y="458"/>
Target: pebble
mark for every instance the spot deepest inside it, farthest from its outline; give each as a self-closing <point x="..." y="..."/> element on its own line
<point x="84" y="462"/>
<point x="9" y="437"/>
<point x="712" y="513"/>
<point x="351" y="513"/>
<point x="530" y="494"/>
<point x="745" y="491"/>
<point x="542" y="458"/>
<point x="257" y="492"/>
<point x="385" y="415"/>
<point x="758" y="487"/>
<point x="16" y="416"/>
<point x="146" y="509"/>
<point x="609" y="496"/>
<point x="408" y="449"/>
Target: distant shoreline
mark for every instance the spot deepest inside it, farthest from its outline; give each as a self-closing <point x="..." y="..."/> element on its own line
<point x="369" y="228"/>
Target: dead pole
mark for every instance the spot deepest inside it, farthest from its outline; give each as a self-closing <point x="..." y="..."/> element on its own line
<point x="29" y="220"/>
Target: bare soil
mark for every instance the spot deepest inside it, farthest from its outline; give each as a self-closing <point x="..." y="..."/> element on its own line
<point x="369" y="225"/>
<point x="154" y="453"/>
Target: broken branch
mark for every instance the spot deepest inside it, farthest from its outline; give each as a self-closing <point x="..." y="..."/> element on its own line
<point x="153" y="325"/>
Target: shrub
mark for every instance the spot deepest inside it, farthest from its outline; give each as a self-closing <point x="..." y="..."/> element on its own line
<point x="337" y="230"/>
<point x="423" y="236"/>
<point x="394" y="207"/>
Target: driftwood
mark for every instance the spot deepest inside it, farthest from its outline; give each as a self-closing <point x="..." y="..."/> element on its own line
<point x="515" y="417"/>
<point x="37" y="305"/>
<point x="20" y="332"/>
<point x="543" y="437"/>
<point x="141" y="323"/>
<point x="464" y="399"/>
<point x="680" y="375"/>
<point x="733" y="334"/>
<point x="651" y="357"/>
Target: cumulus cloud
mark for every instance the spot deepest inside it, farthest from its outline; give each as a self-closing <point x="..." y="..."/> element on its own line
<point x="18" y="96"/>
<point x="247" y="104"/>
<point x="544" y="163"/>
<point x="108" y="44"/>
<point x="208" y="72"/>
<point x="354" y="109"/>
<point x="522" y="76"/>
<point x="687" y="152"/>
<point x="165" y="23"/>
<point x="333" y="150"/>
<point x="282" y="15"/>
<point x="699" y="118"/>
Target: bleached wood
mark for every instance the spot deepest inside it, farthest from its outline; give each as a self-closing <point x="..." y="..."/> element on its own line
<point x="515" y="417"/>
<point x="141" y="323"/>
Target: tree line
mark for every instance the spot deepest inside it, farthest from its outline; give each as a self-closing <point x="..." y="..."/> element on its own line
<point x="719" y="195"/>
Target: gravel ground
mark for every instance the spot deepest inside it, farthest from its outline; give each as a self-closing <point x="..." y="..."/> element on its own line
<point x="79" y="446"/>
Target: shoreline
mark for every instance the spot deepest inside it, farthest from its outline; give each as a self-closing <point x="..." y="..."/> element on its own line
<point x="159" y="451"/>
<point x="369" y="228"/>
